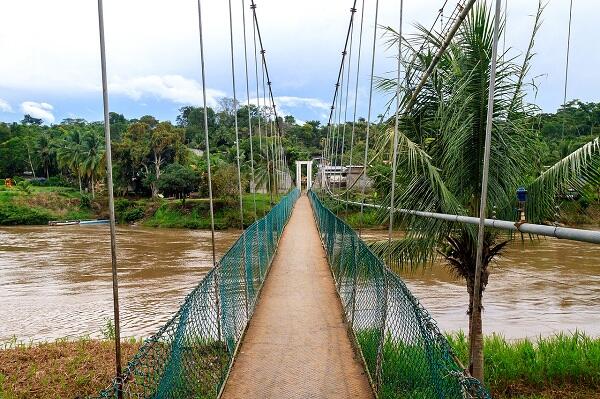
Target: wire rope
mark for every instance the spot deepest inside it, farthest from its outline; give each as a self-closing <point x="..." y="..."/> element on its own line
<point x="567" y="63"/>
<point x="252" y="180"/>
<point x="395" y="152"/>
<point x="370" y="103"/>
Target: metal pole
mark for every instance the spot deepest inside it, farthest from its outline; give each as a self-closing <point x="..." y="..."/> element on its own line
<point x="564" y="233"/>
<point x="379" y="360"/>
<point x="237" y="148"/>
<point x="567" y="63"/>
<point x="366" y="158"/>
<point x="210" y="193"/>
<point x="478" y="373"/>
<point x="395" y="155"/>
<point x="111" y="200"/>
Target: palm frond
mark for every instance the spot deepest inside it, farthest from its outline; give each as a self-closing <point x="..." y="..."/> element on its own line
<point x="577" y="169"/>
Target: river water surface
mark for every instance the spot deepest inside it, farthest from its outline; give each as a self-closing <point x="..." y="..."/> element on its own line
<point x="56" y="282"/>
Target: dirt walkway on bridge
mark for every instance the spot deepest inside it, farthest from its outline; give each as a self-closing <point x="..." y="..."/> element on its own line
<point x="296" y="345"/>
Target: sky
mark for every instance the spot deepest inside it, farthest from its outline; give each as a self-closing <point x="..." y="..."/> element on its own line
<point x="50" y="62"/>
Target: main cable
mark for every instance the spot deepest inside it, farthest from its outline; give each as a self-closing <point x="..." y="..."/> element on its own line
<point x="235" y="119"/>
<point x="396" y="133"/>
<point x="366" y="157"/>
<point x="252" y="181"/>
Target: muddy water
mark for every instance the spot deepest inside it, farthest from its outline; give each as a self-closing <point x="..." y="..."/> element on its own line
<point x="56" y="281"/>
<point x="538" y="287"/>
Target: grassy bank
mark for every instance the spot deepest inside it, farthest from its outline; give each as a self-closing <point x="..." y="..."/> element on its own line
<point x="60" y="369"/>
<point x="195" y="213"/>
<point x="84" y="367"/>
<point x="37" y="205"/>
<point x="562" y="366"/>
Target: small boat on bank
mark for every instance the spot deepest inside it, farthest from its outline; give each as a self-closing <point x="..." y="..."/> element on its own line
<point x="95" y="221"/>
<point x="63" y="223"/>
<point x="77" y="222"/>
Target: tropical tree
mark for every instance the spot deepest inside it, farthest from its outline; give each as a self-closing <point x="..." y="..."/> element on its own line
<point x="92" y="161"/>
<point x="45" y="150"/>
<point x="71" y="153"/>
<point x="149" y="145"/>
<point x="179" y="180"/>
<point x="441" y="148"/>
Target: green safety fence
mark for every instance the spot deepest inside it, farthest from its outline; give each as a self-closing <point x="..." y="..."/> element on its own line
<point x="189" y="357"/>
<point x="404" y="351"/>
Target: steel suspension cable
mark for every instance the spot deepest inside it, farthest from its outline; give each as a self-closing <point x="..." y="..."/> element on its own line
<point x="206" y="139"/>
<point x="269" y="184"/>
<point x="360" y="36"/>
<point x="396" y="133"/>
<point x="237" y="145"/>
<point x="208" y="166"/>
<point x="235" y="118"/>
<point x="269" y="82"/>
<point x="567" y="63"/>
<point x="331" y="131"/>
<point x="252" y="180"/>
<point x="339" y="117"/>
<point x="111" y="199"/>
<point x="346" y="101"/>
<point x="252" y="7"/>
<point x="437" y="57"/>
<point x="366" y="157"/>
<point x="476" y="345"/>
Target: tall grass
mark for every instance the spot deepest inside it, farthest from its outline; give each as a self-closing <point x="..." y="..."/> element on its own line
<point x="560" y="360"/>
<point x="561" y="366"/>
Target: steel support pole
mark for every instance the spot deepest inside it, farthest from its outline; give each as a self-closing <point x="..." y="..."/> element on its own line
<point x="111" y="200"/>
<point x="477" y="372"/>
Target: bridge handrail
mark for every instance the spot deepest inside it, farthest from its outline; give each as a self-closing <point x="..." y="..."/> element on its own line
<point x="191" y="355"/>
<point x="404" y="351"/>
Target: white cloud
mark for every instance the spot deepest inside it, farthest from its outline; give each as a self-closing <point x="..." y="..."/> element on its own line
<point x="175" y="88"/>
<point x="291" y="101"/>
<point x="38" y="110"/>
<point x="5" y="106"/>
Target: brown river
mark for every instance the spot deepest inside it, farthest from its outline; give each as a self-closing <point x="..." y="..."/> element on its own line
<point x="55" y="282"/>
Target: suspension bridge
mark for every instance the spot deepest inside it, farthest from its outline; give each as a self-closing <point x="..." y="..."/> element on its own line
<point x="300" y="306"/>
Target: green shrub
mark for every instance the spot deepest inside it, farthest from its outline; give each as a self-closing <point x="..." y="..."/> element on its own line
<point x="85" y="202"/>
<point x="133" y="214"/>
<point x="24" y="186"/>
<point x="11" y="214"/>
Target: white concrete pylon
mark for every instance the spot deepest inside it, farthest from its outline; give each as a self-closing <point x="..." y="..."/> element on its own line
<point x="299" y="165"/>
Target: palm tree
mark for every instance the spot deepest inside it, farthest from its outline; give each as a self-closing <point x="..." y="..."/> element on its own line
<point x="44" y="149"/>
<point x="70" y="154"/>
<point x="441" y="146"/>
<point x="93" y="158"/>
<point x="264" y="167"/>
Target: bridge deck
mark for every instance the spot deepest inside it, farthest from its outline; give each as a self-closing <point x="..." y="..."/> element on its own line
<point x="297" y="345"/>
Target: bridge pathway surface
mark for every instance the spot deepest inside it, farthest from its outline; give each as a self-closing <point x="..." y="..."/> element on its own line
<point x="297" y="345"/>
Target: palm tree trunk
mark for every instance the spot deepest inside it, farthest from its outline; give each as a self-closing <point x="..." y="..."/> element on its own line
<point x="475" y="338"/>
<point x="30" y="163"/>
<point x="79" y="178"/>
<point x="93" y="189"/>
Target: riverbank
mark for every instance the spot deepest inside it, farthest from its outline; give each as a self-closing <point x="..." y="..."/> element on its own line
<point x="33" y="205"/>
<point x="60" y="369"/>
<point x="563" y="366"/>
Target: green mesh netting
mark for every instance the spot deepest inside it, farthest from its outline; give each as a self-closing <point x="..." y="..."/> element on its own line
<point x="190" y="355"/>
<point x="405" y="353"/>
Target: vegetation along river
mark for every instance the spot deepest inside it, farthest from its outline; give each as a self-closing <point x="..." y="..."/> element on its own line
<point x="55" y="282"/>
